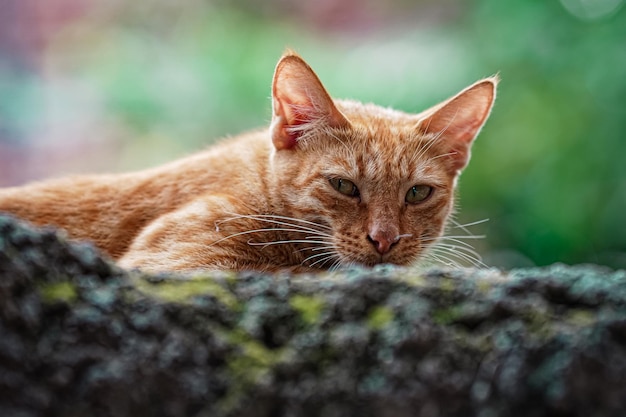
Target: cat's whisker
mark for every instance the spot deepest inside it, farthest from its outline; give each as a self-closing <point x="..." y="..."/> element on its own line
<point x="337" y="264"/>
<point x="317" y="248"/>
<point x="286" y="218"/>
<point x="269" y="230"/>
<point x="450" y="252"/>
<point x="444" y="259"/>
<point x="246" y="232"/>
<point x="397" y="238"/>
<point x="315" y="236"/>
<point x="457" y="225"/>
<point x="324" y="258"/>
<point x="284" y="221"/>
<point x="460" y="249"/>
<point x="317" y="255"/>
<point x="452" y="249"/>
<point x="455" y="239"/>
<point x="282" y="242"/>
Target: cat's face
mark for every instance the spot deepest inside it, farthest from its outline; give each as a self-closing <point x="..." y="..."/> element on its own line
<point x="377" y="185"/>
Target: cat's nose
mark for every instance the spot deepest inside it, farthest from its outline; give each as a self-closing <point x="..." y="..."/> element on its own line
<point x="382" y="241"/>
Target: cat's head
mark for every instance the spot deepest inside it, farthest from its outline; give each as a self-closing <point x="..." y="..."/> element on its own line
<point x="378" y="183"/>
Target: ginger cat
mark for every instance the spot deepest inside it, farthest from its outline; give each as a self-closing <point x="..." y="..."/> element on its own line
<point x="330" y="183"/>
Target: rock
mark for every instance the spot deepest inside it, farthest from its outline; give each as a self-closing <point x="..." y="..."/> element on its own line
<point x="79" y="336"/>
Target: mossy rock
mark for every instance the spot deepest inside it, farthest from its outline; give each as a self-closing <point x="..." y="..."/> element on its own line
<point x="81" y="337"/>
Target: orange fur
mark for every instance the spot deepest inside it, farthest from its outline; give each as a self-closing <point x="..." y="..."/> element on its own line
<point x="266" y="200"/>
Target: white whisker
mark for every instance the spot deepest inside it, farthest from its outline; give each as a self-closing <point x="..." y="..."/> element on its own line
<point x="282" y="221"/>
<point x="463" y="226"/>
<point x="327" y="256"/>
<point x="282" y="242"/>
<point x="316" y="237"/>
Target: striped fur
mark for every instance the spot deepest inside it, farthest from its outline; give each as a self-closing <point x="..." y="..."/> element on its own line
<point x="264" y="200"/>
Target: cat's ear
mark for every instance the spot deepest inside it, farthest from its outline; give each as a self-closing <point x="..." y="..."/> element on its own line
<point x="458" y="120"/>
<point x="299" y="102"/>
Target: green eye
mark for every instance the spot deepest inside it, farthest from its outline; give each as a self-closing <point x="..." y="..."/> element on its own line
<point x="345" y="187"/>
<point x="418" y="193"/>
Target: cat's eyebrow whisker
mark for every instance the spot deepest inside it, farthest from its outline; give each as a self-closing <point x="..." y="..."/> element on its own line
<point x="432" y="140"/>
<point x="442" y="155"/>
<point x="445" y="129"/>
<point x="332" y="134"/>
<point x="424" y="147"/>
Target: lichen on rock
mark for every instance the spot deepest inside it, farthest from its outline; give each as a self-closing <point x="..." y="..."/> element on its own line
<point x="80" y="336"/>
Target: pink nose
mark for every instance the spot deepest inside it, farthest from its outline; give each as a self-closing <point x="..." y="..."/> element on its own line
<point x="382" y="241"/>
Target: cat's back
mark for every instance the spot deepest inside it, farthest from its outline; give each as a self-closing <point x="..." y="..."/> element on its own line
<point x="110" y="209"/>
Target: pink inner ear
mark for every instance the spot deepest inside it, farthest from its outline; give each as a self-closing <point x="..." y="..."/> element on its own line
<point x="299" y="100"/>
<point x="457" y="121"/>
<point x="287" y="117"/>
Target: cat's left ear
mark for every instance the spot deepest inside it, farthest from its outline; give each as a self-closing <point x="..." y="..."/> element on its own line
<point x="458" y="120"/>
<point x="299" y="102"/>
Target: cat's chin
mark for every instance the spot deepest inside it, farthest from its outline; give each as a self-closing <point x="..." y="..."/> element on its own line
<point x="373" y="260"/>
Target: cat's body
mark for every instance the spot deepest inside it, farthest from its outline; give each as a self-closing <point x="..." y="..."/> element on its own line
<point x="330" y="183"/>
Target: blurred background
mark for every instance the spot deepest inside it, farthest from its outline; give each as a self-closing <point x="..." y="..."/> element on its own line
<point x="115" y="85"/>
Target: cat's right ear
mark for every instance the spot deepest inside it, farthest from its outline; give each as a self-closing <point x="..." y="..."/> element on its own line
<point x="299" y="102"/>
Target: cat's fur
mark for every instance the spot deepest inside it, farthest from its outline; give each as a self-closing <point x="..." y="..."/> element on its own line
<point x="273" y="199"/>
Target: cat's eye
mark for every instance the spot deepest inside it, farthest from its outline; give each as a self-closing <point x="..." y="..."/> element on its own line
<point x="418" y="194"/>
<point x="345" y="187"/>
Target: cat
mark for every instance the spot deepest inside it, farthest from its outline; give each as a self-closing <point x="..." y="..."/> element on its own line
<point x="330" y="183"/>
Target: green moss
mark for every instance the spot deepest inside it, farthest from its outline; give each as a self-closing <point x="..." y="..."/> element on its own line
<point x="379" y="317"/>
<point x="248" y="365"/>
<point x="415" y="280"/>
<point x="309" y="307"/>
<point x="445" y="316"/>
<point x="447" y="284"/>
<point x="58" y="292"/>
<point x="581" y="318"/>
<point x="182" y="291"/>
<point x="253" y="359"/>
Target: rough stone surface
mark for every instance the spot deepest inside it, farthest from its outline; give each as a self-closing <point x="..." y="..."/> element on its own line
<point x="80" y="337"/>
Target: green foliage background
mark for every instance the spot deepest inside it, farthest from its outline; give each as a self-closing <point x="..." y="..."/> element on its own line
<point x="160" y="79"/>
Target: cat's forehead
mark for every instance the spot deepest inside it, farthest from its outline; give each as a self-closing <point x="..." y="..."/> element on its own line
<point x="385" y="145"/>
<point x="361" y="114"/>
<point x="387" y="132"/>
<point x="386" y="157"/>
